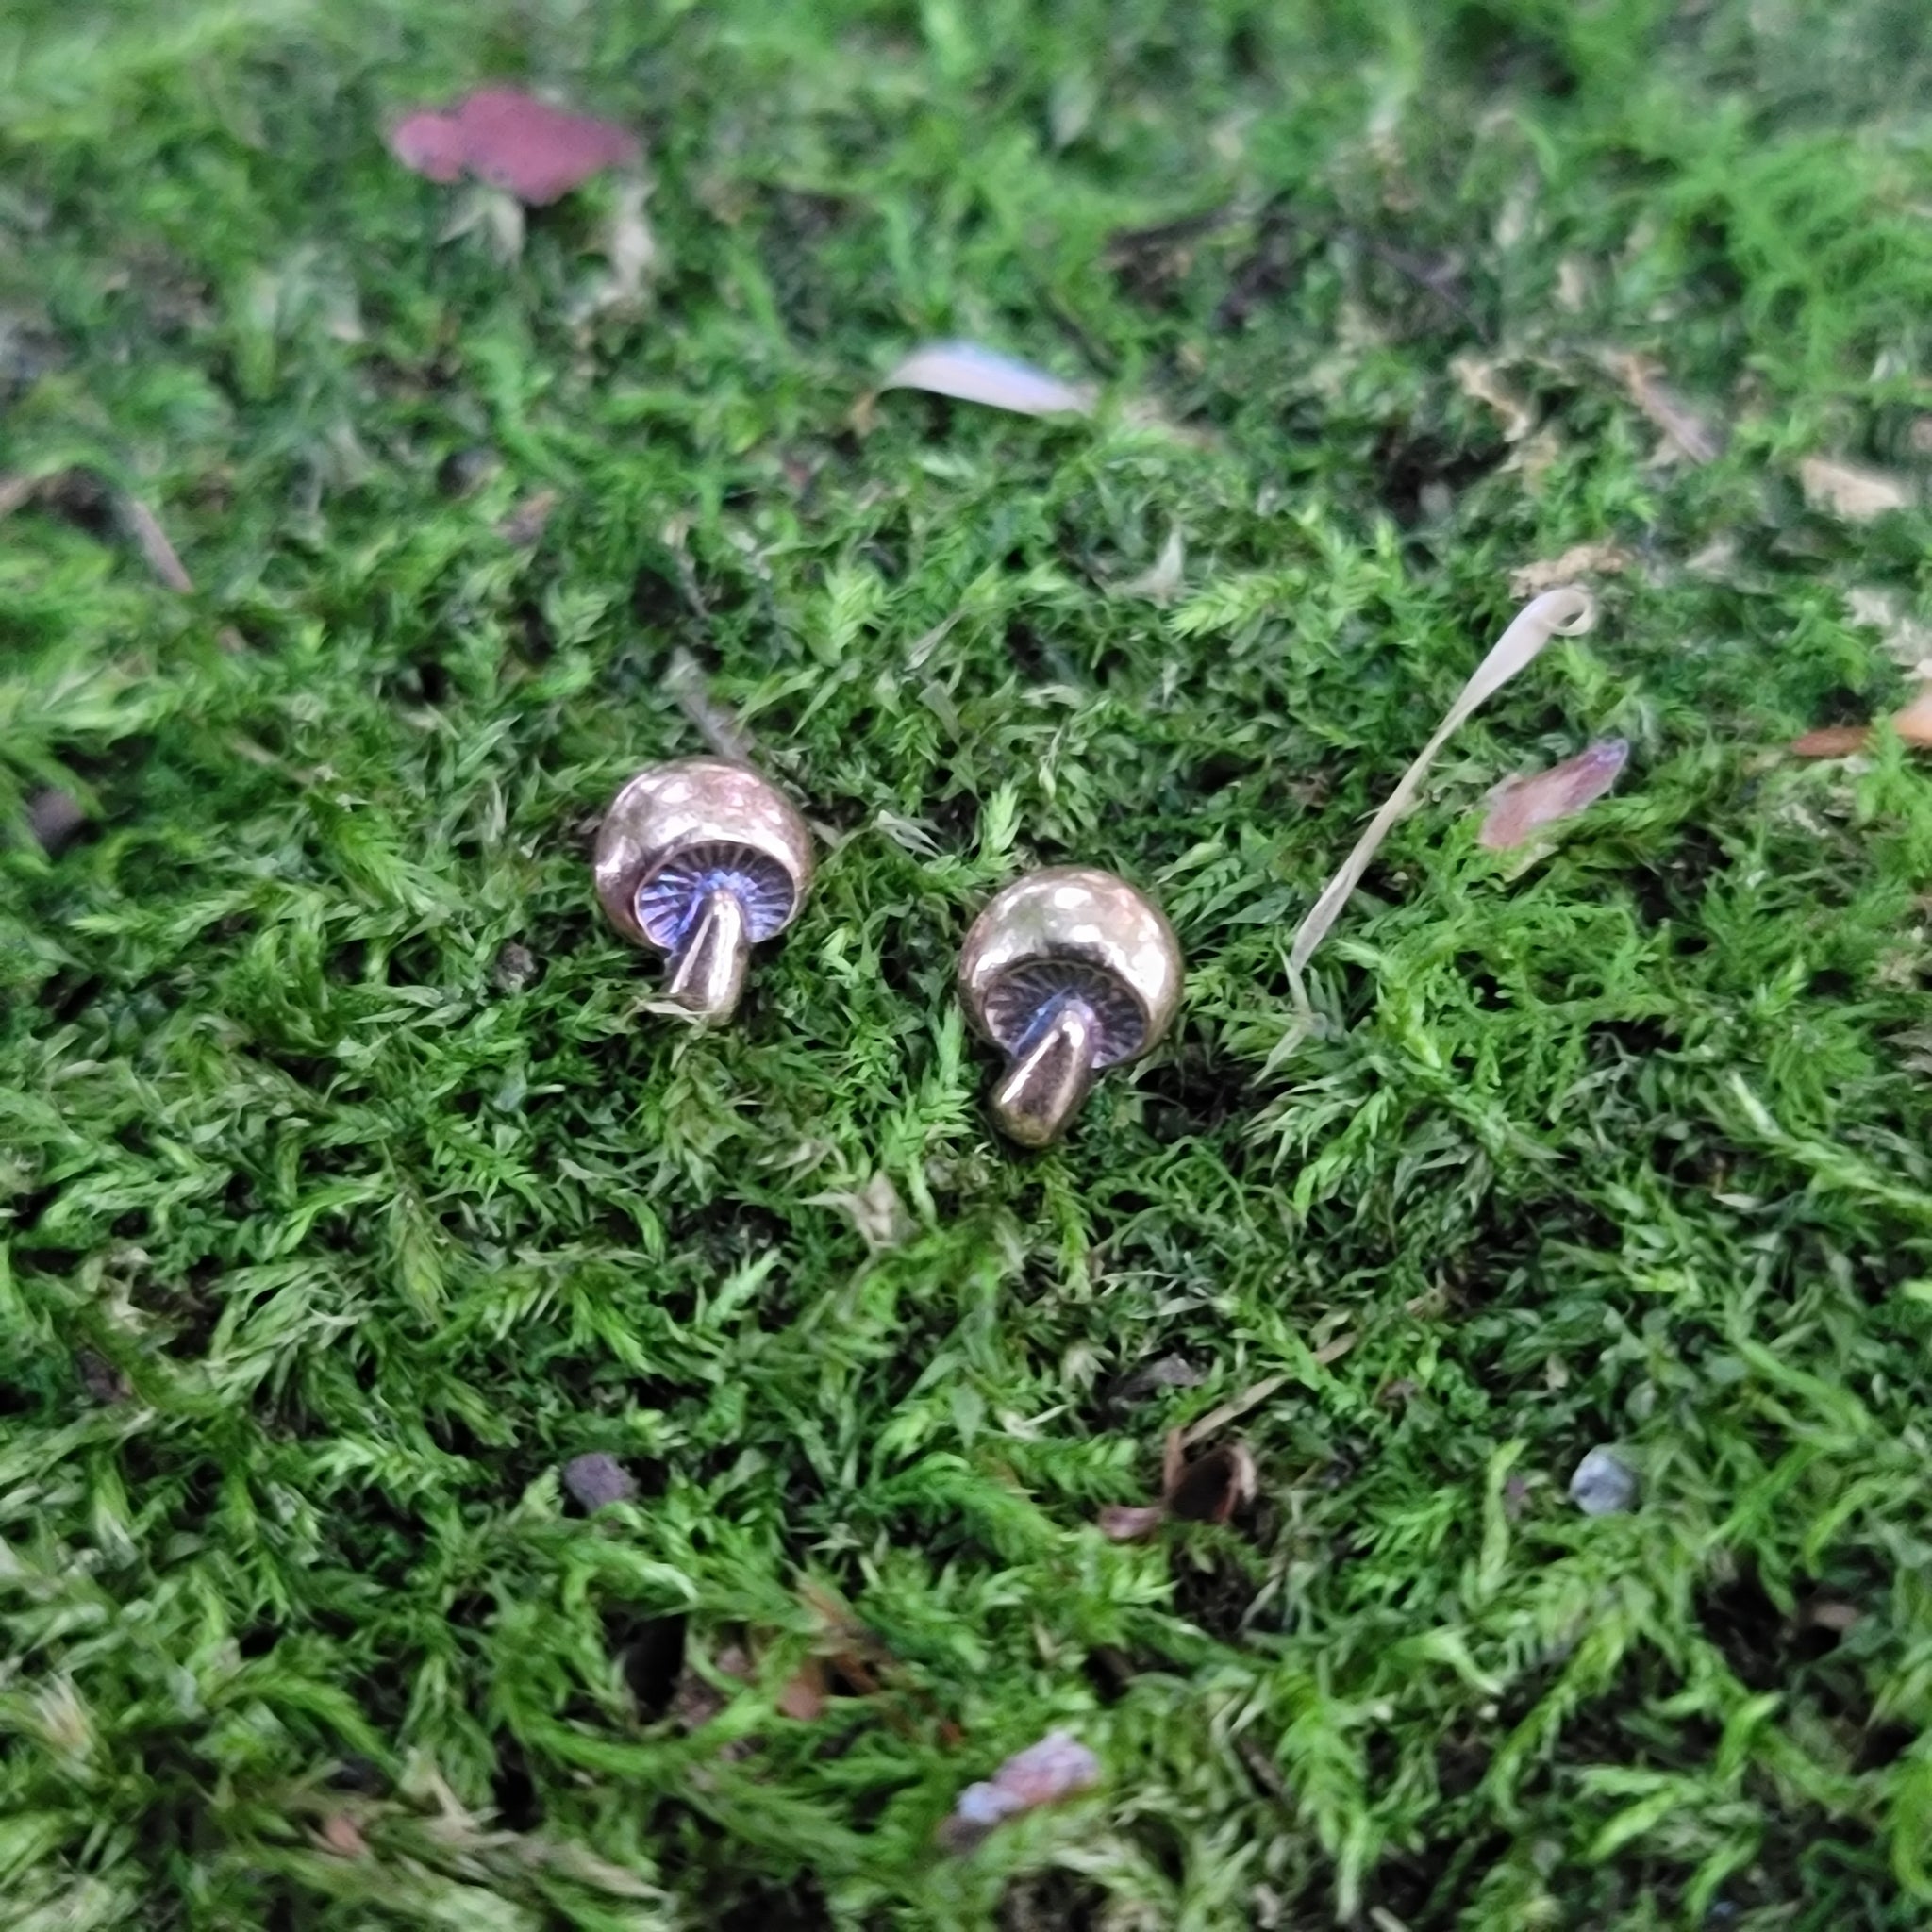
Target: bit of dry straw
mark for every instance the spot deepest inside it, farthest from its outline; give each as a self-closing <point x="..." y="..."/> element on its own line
<point x="1566" y="611"/>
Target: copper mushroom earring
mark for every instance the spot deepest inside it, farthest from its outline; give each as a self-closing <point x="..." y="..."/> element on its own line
<point x="1069" y="971"/>
<point x="702" y="859"/>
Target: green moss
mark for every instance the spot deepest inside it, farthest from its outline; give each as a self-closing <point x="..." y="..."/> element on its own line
<point x="328" y="1242"/>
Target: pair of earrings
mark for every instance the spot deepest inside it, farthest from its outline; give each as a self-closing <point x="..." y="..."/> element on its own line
<point x="1067" y="971"/>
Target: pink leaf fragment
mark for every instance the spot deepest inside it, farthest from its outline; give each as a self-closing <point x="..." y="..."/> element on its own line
<point x="1519" y="808"/>
<point x="1056" y="1768"/>
<point x="511" y="140"/>
<point x="970" y="373"/>
<point x="430" y="143"/>
<point x="1127" y="1523"/>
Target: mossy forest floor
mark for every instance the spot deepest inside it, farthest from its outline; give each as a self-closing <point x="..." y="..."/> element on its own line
<point x="347" y="1192"/>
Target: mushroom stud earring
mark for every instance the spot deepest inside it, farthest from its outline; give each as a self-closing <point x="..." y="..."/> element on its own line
<point x="1067" y="971"/>
<point x="702" y="859"/>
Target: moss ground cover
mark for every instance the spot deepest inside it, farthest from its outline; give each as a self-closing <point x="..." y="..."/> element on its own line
<point x="347" y="1194"/>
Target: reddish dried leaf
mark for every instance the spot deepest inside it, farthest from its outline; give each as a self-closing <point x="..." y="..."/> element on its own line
<point x="1832" y="741"/>
<point x="1127" y="1523"/>
<point x="537" y="152"/>
<point x="513" y="142"/>
<point x="339" y="1834"/>
<point x="804" y="1697"/>
<point x="1912" y="721"/>
<point x="1519" y="808"/>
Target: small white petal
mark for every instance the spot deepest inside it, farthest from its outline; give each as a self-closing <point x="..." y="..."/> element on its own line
<point x="971" y="373"/>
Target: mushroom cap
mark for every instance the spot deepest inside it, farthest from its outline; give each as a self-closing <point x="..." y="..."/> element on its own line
<point x="1072" y="931"/>
<point x="679" y="829"/>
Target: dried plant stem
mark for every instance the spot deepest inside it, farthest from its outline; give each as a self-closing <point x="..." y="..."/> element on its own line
<point x="1566" y="611"/>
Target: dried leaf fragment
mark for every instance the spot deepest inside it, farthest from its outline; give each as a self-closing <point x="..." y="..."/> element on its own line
<point x="875" y="1210"/>
<point x="516" y="967"/>
<point x="1128" y="1523"/>
<point x="803" y="1698"/>
<point x="1579" y="560"/>
<point x="1913" y="719"/>
<point x="1218" y="1419"/>
<point x="1209" y="1489"/>
<point x="630" y="246"/>
<point x="1481" y="380"/>
<point x="714" y="722"/>
<point x="1912" y="722"/>
<point x="1832" y="741"/>
<point x="1163" y="1372"/>
<point x="1850" y="490"/>
<point x="971" y="373"/>
<point x="1908" y="639"/>
<point x="1161" y="582"/>
<point x="1212" y="1487"/>
<point x="1519" y="808"/>
<point x="1058" y="1768"/>
<point x="1566" y="611"/>
<point x="1686" y="433"/>
<point x="1823" y="1613"/>
<point x="511" y="140"/>
<point x="152" y="541"/>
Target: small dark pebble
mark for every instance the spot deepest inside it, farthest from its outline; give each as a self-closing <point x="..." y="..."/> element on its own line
<point x="465" y="470"/>
<point x="102" y="1380"/>
<point x="355" y="1773"/>
<point x="55" y="820"/>
<point x="516" y="967"/>
<point x="597" y="1479"/>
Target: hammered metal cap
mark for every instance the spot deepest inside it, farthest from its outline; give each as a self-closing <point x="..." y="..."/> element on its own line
<point x="702" y="859"/>
<point x="1069" y="971"/>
